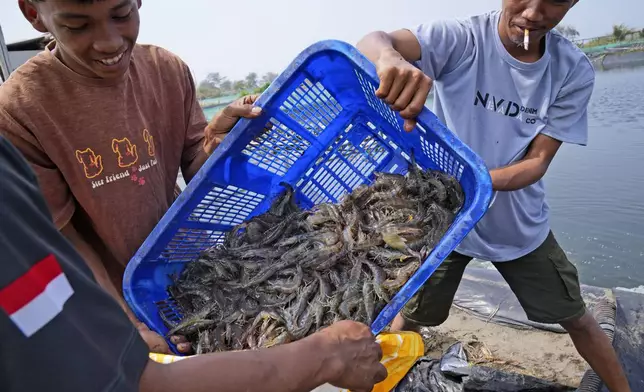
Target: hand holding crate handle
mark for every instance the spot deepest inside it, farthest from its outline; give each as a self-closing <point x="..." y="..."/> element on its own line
<point x="226" y="119"/>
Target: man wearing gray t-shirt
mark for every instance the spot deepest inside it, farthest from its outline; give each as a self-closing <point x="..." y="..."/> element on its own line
<point x="514" y="90"/>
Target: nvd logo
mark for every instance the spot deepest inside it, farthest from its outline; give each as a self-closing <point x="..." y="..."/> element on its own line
<point x="506" y="107"/>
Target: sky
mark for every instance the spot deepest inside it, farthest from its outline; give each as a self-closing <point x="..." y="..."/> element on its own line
<point x="235" y="38"/>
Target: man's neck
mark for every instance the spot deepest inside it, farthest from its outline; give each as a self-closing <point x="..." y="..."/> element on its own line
<point x="532" y="55"/>
<point x="70" y="63"/>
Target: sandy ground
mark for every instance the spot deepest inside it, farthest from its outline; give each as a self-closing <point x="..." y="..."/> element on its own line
<point x="547" y="355"/>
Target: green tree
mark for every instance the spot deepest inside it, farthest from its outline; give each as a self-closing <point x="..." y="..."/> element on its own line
<point x="620" y="32"/>
<point x="214" y="79"/>
<point x="206" y="90"/>
<point x="568" y="31"/>
<point x="215" y="85"/>
<point x="257" y="90"/>
<point x="251" y="81"/>
<point x="262" y="88"/>
<point x="269" y="77"/>
<point x="227" y="85"/>
<point x="239" y="85"/>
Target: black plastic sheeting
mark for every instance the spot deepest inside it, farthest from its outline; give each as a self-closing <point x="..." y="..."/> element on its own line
<point x="426" y="376"/>
<point x="452" y="374"/>
<point x="629" y="336"/>
<point x="484" y="294"/>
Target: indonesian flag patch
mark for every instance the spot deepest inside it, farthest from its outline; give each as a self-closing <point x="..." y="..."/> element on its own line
<point x="37" y="297"/>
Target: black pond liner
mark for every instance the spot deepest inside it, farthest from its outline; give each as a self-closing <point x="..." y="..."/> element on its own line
<point x="484" y="294"/>
<point x="452" y="374"/>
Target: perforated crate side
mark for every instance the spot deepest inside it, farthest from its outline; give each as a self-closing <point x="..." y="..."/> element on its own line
<point x="323" y="131"/>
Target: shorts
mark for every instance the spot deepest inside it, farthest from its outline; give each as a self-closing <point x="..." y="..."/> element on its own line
<point x="545" y="282"/>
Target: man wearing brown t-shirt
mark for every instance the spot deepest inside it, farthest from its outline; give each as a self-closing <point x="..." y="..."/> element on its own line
<point x="107" y="124"/>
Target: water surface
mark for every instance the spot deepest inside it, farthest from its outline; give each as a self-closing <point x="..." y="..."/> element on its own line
<point x="596" y="193"/>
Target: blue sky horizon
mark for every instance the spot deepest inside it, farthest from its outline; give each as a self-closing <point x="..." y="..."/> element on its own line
<point x="265" y="36"/>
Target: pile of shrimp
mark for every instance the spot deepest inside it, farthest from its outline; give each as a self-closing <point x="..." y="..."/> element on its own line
<point x="289" y="272"/>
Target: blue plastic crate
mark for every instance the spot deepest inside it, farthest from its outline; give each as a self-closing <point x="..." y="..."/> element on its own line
<point x="324" y="132"/>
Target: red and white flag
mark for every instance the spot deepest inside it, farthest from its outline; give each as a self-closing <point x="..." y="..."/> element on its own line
<point x="35" y="298"/>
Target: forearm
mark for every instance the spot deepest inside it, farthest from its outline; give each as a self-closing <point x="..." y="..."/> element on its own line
<point x="293" y="367"/>
<point x="518" y="175"/>
<point x="400" y="44"/>
<point x="190" y="169"/>
<point x="374" y="44"/>
<point x="95" y="264"/>
<point x="210" y="142"/>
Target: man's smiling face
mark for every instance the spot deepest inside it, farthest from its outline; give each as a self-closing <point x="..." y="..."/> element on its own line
<point x="93" y="38"/>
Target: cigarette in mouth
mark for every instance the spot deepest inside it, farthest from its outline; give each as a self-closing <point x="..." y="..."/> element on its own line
<point x="526" y="39"/>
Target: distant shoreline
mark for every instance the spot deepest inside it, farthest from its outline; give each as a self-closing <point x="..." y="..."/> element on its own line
<point x="619" y="59"/>
<point x="605" y="61"/>
<point x="207" y="103"/>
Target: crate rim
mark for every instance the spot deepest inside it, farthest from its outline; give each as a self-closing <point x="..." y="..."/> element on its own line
<point x="426" y="118"/>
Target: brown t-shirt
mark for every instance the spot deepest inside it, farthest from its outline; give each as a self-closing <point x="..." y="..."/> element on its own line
<point x="107" y="153"/>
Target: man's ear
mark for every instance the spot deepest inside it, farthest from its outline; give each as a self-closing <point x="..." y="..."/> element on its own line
<point x="30" y="12"/>
<point x="140" y="3"/>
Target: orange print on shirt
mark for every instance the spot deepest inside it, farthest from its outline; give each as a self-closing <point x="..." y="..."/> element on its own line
<point x="125" y="151"/>
<point x="150" y="141"/>
<point x="92" y="163"/>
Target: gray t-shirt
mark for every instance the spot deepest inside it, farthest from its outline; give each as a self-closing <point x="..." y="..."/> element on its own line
<point x="59" y="331"/>
<point x="498" y="105"/>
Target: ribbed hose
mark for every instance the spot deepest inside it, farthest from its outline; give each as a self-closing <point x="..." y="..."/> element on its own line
<point x="605" y="316"/>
